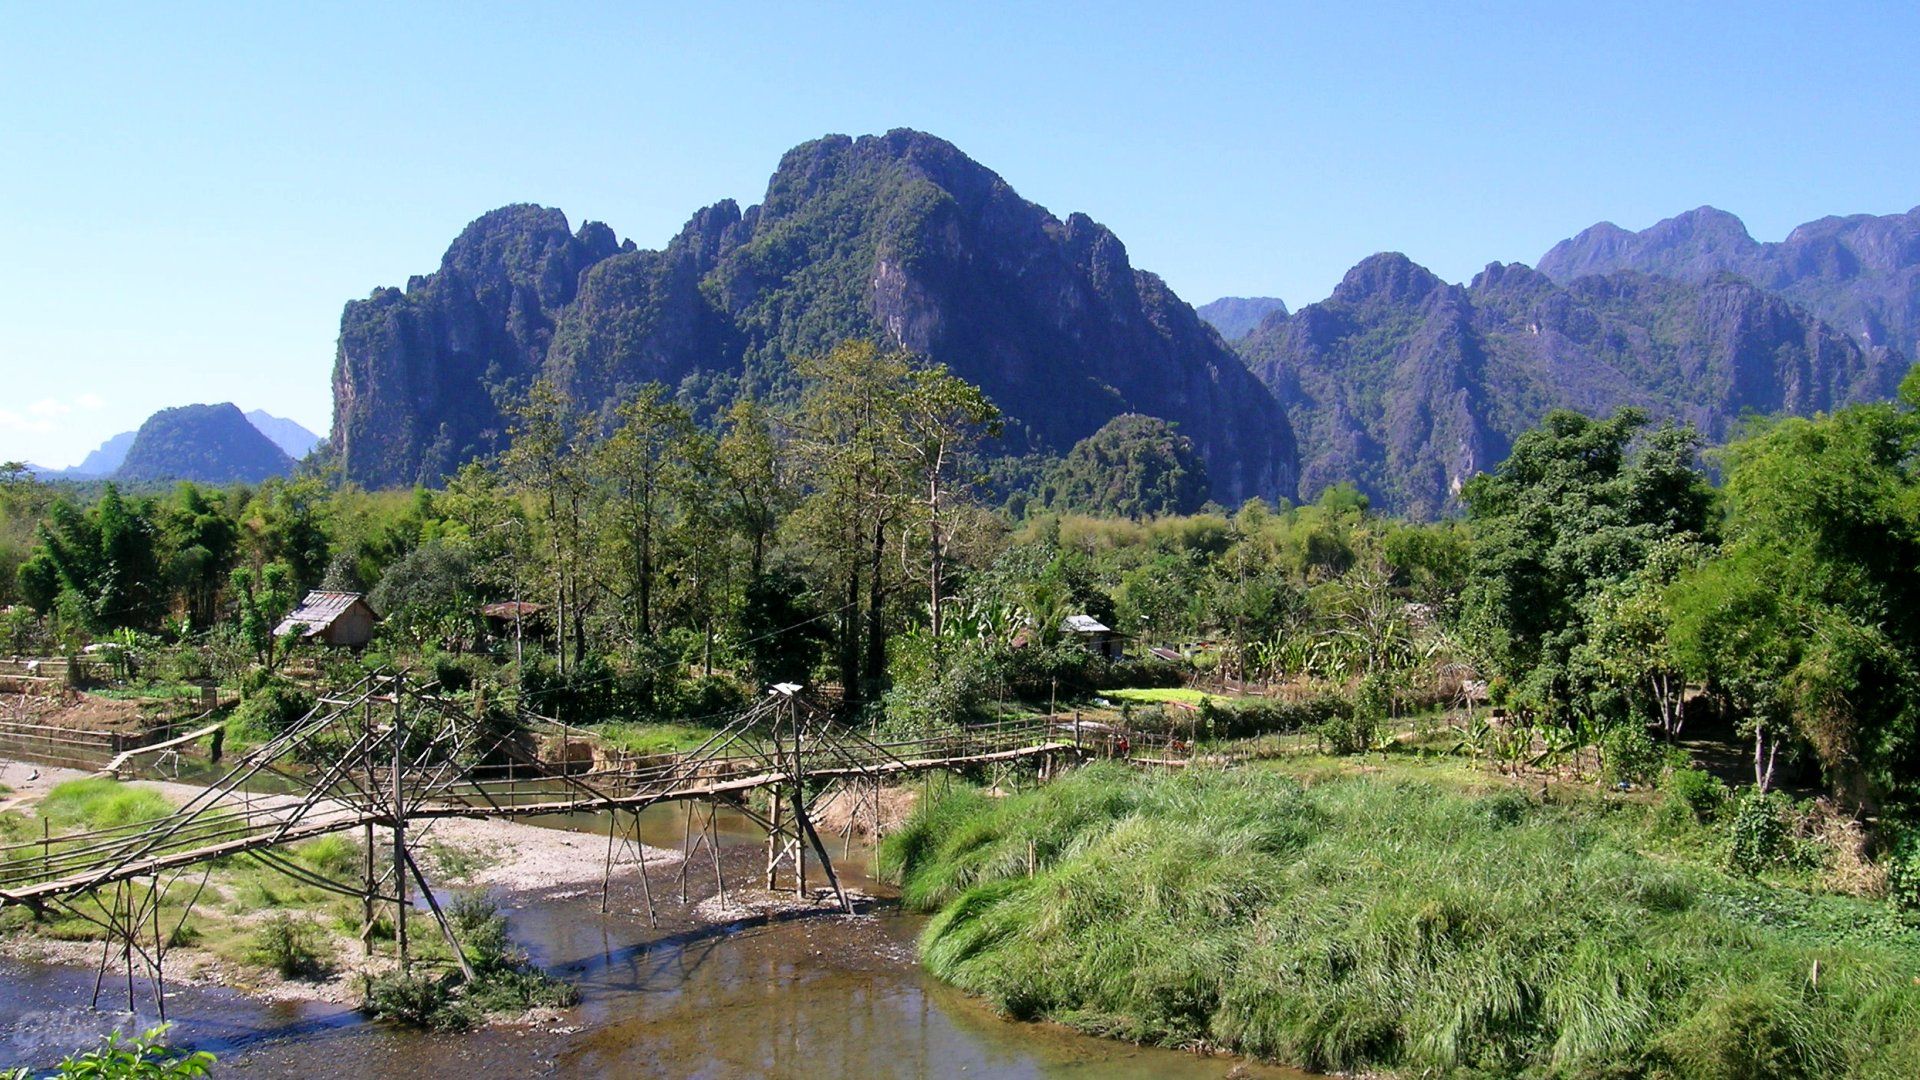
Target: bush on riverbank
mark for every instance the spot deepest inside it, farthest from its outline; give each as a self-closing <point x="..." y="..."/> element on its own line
<point x="505" y="981"/>
<point x="1375" y="924"/>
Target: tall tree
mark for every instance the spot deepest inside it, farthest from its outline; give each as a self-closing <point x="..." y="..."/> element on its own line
<point x="546" y="458"/>
<point x="942" y="419"/>
<point x="644" y="461"/>
<point x="749" y="465"/>
<point x="201" y="543"/>
<point x="106" y="558"/>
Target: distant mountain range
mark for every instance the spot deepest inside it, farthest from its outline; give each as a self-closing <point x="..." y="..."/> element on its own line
<point x="1236" y="316"/>
<point x="1406" y="385"/>
<point x="192" y="463"/>
<point x="1399" y="382"/>
<point x="1861" y="273"/>
<point x="286" y="434"/>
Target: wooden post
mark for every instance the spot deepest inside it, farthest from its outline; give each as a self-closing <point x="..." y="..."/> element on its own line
<point x="399" y="837"/>
<point x="686" y="847"/>
<point x="159" y="954"/>
<point x="646" y="887"/>
<point x="373" y="883"/>
<point x="126" y="889"/>
<point x="433" y="905"/>
<point x="773" y="838"/>
<point x="713" y="848"/>
<point x="606" y="878"/>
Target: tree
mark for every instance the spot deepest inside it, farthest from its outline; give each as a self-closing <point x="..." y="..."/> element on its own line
<point x="260" y="603"/>
<point x="105" y="559"/>
<point x="1809" y="616"/>
<point x="546" y="458"/>
<point x="1576" y="508"/>
<point x="645" y="462"/>
<point x="287" y="522"/>
<point x="1629" y="645"/>
<point x="849" y="433"/>
<point x="749" y="467"/>
<point x="201" y="543"/>
<point x="942" y="418"/>
<point x="429" y="595"/>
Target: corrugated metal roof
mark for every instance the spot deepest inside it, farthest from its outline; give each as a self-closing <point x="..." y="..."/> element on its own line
<point x="512" y="609"/>
<point x="1085" y="624"/>
<point x="317" y="612"/>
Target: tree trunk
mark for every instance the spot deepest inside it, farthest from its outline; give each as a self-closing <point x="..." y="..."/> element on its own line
<point x="850" y="636"/>
<point x="876" y="666"/>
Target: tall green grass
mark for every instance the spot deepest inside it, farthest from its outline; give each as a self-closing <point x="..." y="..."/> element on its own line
<point x="99" y="803"/>
<point x="1370" y="924"/>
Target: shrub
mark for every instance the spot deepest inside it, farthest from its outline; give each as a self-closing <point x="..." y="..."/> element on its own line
<point x="417" y="1000"/>
<point x="1349" y="732"/>
<point x="268" y="712"/>
<point x="1628" y="756"/>
<point x="292" y="947"/>
<point x="120" y="1058"/>
<point x="1757" y="832"/>
<point x="504" y="981"/>
<point x="1903" y="871"/>
<point x="453" y="673"/>
<point x="1266" y="716"/>
<point x="1693" y="796"/>
<point x="1148" y="672"/>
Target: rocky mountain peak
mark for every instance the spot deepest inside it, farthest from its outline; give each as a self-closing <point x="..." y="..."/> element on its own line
<point x="1388" y="277"/>
<point x="897" y="237"/>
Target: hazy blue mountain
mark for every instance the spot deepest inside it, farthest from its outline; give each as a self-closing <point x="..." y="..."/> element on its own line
<point x="207" y="443"/>
<point x="1860" y="272"/>
<point x="1236" y="316"/>
<point x="288" y="435"/>
<point x="899" y="237"/>
<point x="1407" y="385"/>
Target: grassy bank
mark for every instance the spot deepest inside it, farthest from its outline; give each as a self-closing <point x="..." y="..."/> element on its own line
<point x="1394" y="924"/>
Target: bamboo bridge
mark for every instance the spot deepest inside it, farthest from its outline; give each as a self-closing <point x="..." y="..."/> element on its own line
<point x="388" y="757"/>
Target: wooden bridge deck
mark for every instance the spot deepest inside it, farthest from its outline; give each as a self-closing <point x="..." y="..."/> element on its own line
<point x="209" y="832"/>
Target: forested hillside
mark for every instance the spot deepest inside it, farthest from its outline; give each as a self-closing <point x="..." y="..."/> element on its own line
<point x="213" y="444"/>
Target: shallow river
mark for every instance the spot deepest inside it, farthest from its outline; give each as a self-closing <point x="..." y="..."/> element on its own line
<point x="816" y="996"/>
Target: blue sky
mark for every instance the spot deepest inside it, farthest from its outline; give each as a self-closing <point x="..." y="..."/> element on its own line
<point x="188" y="194"/>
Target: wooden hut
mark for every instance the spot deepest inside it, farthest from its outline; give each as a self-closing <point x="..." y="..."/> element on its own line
<point x="337" y="619"/>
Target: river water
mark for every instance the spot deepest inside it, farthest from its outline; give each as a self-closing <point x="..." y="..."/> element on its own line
<point x="816" y="996"/>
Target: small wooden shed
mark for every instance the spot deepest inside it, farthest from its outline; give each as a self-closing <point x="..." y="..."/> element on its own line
<point x="1094" y="635"/>
<point x="338" y="619"/>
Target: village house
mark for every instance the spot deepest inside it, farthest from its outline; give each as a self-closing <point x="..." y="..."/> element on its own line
<point x="336" y="619"/>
